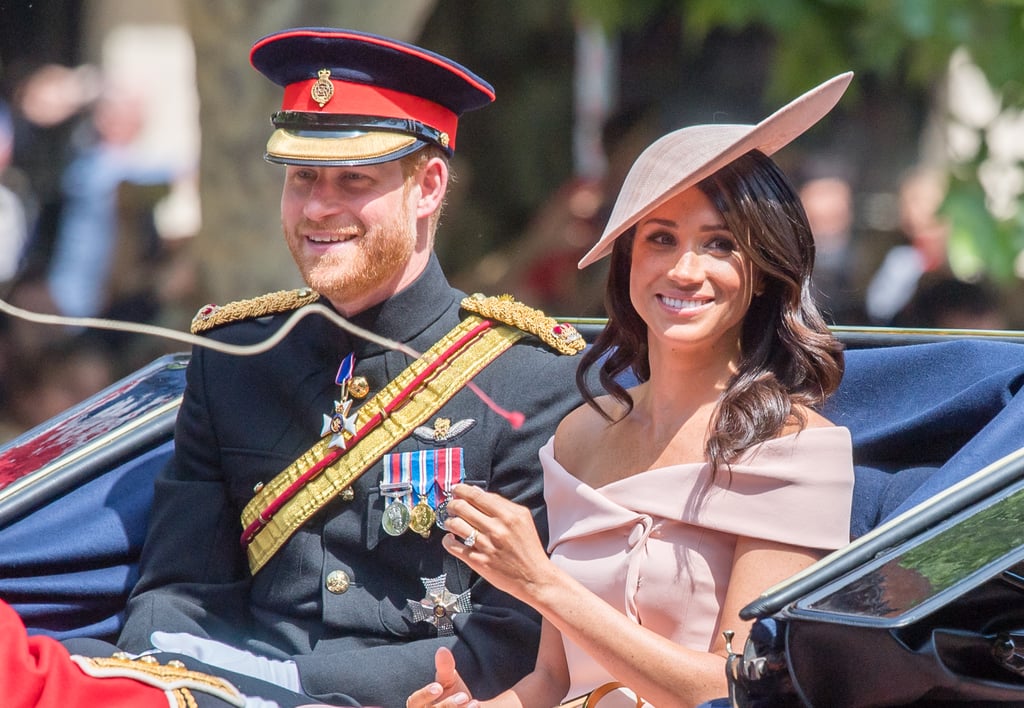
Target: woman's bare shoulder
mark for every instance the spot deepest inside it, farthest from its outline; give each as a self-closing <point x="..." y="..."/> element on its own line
<point x="816" y="419"/>
<point x="811" y="419"/>
<point x="802" y="418"/>
<point x="583" y="428"/>
<point x="580" y="423"/>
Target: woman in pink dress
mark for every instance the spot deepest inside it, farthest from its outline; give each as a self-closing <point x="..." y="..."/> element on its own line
<point x="674" y="503"/>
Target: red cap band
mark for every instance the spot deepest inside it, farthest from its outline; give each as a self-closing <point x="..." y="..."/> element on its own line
<point x="361" y="99"/>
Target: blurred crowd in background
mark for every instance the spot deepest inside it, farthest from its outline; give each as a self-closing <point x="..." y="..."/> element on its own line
<point x="95" y="222"/>
<point x="887" y="269"/>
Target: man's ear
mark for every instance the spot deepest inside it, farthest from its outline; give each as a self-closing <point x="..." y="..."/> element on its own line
<point x="432" y="180"/>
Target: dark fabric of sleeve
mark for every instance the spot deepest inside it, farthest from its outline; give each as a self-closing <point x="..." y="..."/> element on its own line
<point x="192" y="577"/>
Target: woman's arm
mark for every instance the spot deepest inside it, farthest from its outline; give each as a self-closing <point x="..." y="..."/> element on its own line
<point x="508" y="553"/>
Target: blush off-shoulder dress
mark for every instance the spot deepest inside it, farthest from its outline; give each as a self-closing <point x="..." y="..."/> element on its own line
<point x="658" y="545"/>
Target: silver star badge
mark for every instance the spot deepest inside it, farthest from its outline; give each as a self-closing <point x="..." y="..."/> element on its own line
<point x="337" y="422"/>
<point x="440" y="605"/>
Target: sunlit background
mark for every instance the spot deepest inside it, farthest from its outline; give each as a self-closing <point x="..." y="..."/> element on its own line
<point x="133" y="185"/>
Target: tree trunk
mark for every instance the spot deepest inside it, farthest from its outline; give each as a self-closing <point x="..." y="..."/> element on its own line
<point x="239" y="248"/>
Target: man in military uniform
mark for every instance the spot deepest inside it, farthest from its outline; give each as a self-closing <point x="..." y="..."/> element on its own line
<point x="296" y="534"/>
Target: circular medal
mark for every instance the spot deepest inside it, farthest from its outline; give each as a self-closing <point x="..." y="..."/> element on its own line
<point x="442" y="515"/>
<point x="395" y="520"/>
<point x="422" y="518"/>
<point x="358" y="387"/>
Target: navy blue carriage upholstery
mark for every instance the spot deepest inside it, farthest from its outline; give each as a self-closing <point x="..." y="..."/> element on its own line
<point x="922" y="417"/>
<point x="67" y="567"/>
<point x="75" y="494"/>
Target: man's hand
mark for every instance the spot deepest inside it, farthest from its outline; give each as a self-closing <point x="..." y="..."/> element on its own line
<point x="448" y="689"/>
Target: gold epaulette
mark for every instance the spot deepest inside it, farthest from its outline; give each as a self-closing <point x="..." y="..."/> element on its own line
<point x="172" y="677"/>
<point x="562" y="337"/>
<point x="210" y="316"/>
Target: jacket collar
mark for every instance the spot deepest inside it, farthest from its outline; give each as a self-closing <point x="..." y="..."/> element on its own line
<point x="407" y="314"/>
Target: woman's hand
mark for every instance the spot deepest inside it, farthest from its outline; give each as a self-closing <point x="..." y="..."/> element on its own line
<point x="498" y="539"/>
<point x="447" y="691"/>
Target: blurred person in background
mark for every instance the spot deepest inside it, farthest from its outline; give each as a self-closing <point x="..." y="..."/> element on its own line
<point x="14" y="220"/>
<point x="91" y="236"/>
<point x="950" y="303"/>
<point x="540" y="267"/>
<point x="828" y="199"/>
<point x="921" y="193"/>
<point x="49" y="103"/>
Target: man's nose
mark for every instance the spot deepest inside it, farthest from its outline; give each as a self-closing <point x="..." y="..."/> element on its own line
<point x="324" y="200"/>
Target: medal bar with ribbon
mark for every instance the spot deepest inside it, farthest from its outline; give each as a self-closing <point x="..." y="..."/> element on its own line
<point x="396" y="486"/>
<point x="340" y="421"/>
<point x="449" y="473"/>
<point x="431" y="474"/>
<point x="422" y="519"/>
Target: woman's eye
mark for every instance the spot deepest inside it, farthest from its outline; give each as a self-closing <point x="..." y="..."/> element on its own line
<point x="662" y="237"/>
<point x="722" y="244"/>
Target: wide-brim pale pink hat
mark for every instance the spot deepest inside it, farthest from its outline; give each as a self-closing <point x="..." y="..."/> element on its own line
<point x="679" y="160"/>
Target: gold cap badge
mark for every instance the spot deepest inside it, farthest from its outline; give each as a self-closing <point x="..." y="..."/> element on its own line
<point x="323" y="89"/>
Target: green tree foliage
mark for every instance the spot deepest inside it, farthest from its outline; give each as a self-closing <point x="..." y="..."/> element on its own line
<point x="901" y="42"/>
<point x="893" y="38"/>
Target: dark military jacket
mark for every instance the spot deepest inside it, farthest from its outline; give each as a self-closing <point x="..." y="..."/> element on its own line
<point x="245" y="419"/>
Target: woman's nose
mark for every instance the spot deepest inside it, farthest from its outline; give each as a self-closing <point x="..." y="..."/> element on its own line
<point x="687" y="267"/>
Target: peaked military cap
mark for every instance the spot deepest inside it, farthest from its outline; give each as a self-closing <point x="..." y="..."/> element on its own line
<point x="353" y="98"/>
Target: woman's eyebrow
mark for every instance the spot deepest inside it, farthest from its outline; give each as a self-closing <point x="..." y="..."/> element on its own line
<point x="669" y="222"/>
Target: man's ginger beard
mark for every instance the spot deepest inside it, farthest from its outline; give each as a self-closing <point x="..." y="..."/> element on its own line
<point x="383" y="250"/>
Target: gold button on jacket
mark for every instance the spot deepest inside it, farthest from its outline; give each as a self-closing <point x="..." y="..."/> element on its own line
<point x="338" y="581"/>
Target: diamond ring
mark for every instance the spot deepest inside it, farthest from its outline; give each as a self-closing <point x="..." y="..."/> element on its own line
<point x="470" y="539"/>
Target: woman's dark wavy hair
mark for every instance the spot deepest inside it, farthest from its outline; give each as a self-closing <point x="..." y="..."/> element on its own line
<point x="787" y="353"/>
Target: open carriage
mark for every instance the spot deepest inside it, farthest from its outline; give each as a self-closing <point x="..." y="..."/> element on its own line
<point x="927" y="604"/>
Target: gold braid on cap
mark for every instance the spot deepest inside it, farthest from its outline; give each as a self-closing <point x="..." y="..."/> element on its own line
<point x="210" y="316"/>
<point x="504" y="308"/>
